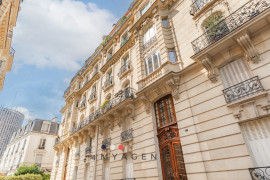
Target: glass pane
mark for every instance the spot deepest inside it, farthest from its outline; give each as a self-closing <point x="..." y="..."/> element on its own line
<point x="172" y="56"/>
<point x="155" y="59"/>
<point x="157" y="116"/>
<point x="162" y="113"/>
<point x="150" y="65"/>
<point x="169" y="109"/>
<point x="146" y="68"/>
<point x="165" y="22"/>
<point x="180" y="161"/>
<point x="152" y="32"/>
<point x="167" y="163"/>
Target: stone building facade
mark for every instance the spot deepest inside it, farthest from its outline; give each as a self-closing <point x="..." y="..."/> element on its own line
<point x="8" y="16"/>
<point x="178" y="90"/>
<point x="31" y="144"/>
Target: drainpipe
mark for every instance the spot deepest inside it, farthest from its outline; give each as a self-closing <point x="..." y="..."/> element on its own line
<point x="97" y="132"/>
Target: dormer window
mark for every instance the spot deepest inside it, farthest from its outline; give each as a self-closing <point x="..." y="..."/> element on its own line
<point x="45" y="127"/>
<point x="145" y="8"/>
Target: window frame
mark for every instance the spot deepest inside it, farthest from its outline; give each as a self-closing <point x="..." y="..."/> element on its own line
<point x="147" y="62"/>
<point x="174" y="54"/>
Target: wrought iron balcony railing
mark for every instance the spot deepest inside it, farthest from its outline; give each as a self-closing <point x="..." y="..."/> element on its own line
<point x="109" y="57"/>
<point x="124" y="68"/>
<point x="127" y="135"/>
<point x="260" y="173"/>
<point x="126" y="94"/>
<point x="106" y="142"/>
<point x="12" y="51"/>
<point x="41" y="147"/>
<point x="149" y="43"/>
<point x="129" y="179"/>
<point x="88" y="151"/>
<point x="243" y="89"/>
<point x="108" y="82"/>
<point x="239" y="17"/>
<point x="197" y="5"/>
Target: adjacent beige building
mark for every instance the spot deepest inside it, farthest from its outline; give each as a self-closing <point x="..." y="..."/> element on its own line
<point x="31" y="144"/>
<point x="177" y="90"/>
<point x="8" y="16"/>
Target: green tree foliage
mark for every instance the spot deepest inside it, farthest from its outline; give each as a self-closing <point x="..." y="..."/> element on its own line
<point x="22" y="170"/>
<point x="23" y="177"/>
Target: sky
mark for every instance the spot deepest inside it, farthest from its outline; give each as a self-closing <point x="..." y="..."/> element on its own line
<point x="52" y="40"/>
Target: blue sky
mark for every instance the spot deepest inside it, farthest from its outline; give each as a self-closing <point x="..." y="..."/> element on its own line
<point x="52" y="40"/>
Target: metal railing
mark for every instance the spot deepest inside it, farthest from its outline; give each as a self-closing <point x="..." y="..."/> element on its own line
<point x="12" y="51"/>
<point x="107" y="142"/>
<point x="197" y="5"/>
<point x="83" y="104"/>
<point x="149" y="43"/>
<point x="239" y="17"/>
<point x="126" y="94"/>
<point x="127" y="135"/>
<point x="243" y="89"/>
<point x="88" y="150"/>
<point x="124" y="68"/>
<point x="108" y="82"/>
<point x="260" y="173"/>
<point x="109" y="57"/>
<point x="41" y="147"/>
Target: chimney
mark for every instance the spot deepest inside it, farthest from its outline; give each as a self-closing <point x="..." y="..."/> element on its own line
<point x="54" y="119"/>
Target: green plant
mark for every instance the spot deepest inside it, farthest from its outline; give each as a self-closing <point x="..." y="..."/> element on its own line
<point x="24" y="177"/>
<point x="211" y="22"/>
<point x="104" y="104"/>
<point x="22" y="170"/>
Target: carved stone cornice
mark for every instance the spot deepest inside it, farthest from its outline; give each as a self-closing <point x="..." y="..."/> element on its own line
<point x="250" y="51"/>
<point x="208" y="65"/>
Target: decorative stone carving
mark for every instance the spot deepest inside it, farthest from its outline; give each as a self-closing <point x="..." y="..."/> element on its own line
<point x="145" y="23"/>
<point x="249" y="49"/>
<point x="174" y="83"/>
<point x="147" y="104"/>
<point x="208" y="65"/>
<point x="131" y="111"/>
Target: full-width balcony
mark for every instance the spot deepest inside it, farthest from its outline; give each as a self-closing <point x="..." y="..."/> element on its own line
<point x="243" y="89"/>
<point x="260" y="173"/>
<point x="124" y="68"/>
<point x="250" y="13"/>
<point x="128" y="93"/>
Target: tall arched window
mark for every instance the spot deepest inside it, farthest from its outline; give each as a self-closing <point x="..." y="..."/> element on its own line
<point x="164" y="111"/>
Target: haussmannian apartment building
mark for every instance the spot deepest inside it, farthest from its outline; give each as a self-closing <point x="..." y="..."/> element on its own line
<point x="31" y="144"/>
<point x="8" y="16"/>
<point x="177" y="90"/>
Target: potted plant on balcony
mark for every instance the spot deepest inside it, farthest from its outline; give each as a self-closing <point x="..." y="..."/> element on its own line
<point x="215" y="27"/>
<point x="118" y="93"/>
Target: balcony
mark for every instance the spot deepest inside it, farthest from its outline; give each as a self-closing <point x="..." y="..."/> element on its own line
<point x="108" y="83"/>
<point x="229" y="24"/>
<point x="11" y="51"/>
<point x="124" y="69"/>
<point x="149" y="43"/>
<point x="109" y="57"/>
<point x="41" y="147"/>
<point x="88" y="151"/>
<point x="83" y="104"/>
<point x="197" y="5"/>
<point x="243" y="89"/>
<point x="127" y="135"/>
<point x="106" y="143"/>
<point x="127" y="94"/>
<point x="258" y="173"/>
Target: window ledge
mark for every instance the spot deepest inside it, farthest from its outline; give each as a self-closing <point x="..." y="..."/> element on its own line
<point x="246" y="99"/>
<point x="108" y="87"/>
<point x="92" y="100"/>
<point x="126" y="72"/>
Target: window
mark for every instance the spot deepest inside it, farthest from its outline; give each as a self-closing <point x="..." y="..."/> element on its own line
<point x="24" y="144"/>
<point x="77" y="103"/>
<point x="152" y="63"/>
<point x="234" y="73"/>
<point x="150" y="33"/>
<point x="165" y="22"/>
<point x="38" y="159"/>
<point x="124" y="39"/>
<point x="42" y="144"/>
<point x="45" y="127"/>
<point x="89" y="141"/>
<point x="1" y="62"/>
<point x="80" y="85"/>
<point x="17" y="147"/>
<point x="145" y="8"/>
<point x="95" y="70"/>
<point x="172" y="55"/>
<point x="164" y="111"/>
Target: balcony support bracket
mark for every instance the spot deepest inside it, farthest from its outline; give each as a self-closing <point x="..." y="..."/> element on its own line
<point x="174" y="83"/>
<point x="208" y="65"/>
<point x="250" y="52"/>
<point x="147" y="103"/>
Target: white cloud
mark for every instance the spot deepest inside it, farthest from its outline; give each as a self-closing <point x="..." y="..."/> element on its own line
<point x="59" y="33"/>
<point x="27" y="114"/>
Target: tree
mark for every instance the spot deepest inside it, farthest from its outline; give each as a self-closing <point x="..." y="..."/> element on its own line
<point x="34" y="169"/>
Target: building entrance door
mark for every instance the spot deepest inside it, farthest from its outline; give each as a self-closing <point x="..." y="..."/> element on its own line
<point x="171" y="155"/>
